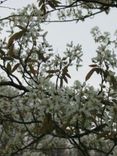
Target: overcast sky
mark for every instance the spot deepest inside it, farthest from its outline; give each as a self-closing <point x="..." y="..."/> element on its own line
<point x="61" y="33"/>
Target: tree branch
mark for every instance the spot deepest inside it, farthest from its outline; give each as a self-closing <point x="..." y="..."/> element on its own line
<point x="12" y="84"/>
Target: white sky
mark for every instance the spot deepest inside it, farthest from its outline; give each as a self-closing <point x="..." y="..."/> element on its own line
<point x="61" y="33"/>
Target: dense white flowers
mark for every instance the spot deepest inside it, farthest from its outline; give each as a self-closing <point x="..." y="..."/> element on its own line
<point x="38" y="115"/>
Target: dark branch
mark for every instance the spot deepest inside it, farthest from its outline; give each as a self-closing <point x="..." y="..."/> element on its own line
<point x="12" y="84"/>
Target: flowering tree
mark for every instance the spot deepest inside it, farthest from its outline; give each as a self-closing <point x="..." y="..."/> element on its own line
<point x="39" y="115"/>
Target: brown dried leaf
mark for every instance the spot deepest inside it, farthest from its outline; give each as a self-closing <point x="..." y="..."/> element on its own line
<point x="14" y="37"/>
<point x="68" y="75"/>
<point x="11" y="51"/>
<point x="52" y="71"/>
<point x="65" y="70"/>
<point x="9" y="67"/>
<point x="49" y="76"/>
<point x="97" y="70"/>
<point x="93" y="65"/>
<point x="61" y="82"/>
<point x="32" y="70"/>
<point x="65" y="79"/>
<point x="31" y="60"/>
<point x="89" y="74"/>
<point x="51" y="4"/>
<point x="41" y="2"/>
<point x="15" y="67"/>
